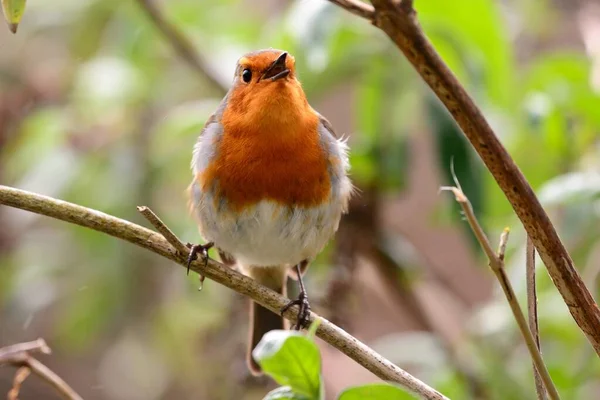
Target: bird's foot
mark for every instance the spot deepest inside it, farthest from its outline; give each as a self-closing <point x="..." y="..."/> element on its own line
<point x="196" y="249"/>
<point x="303" y="312"/>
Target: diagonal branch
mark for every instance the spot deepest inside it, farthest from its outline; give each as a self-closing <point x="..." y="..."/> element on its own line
<point x="215" y="271"/>
<point x="182" y="45"/>
<point x="496" y="260"/>
<point x="400" y="23"/>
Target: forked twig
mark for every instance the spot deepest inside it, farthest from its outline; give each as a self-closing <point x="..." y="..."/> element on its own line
<point x="18" y="355"/>
<point x="496" y="262"/>
<point x="167" y="234"/>
<point x="164" y="230"/>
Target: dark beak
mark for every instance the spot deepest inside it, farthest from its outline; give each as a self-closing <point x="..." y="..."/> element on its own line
<point x="277" y="70"/>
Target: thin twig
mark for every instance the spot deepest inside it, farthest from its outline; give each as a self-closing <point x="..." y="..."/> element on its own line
<point x="357" y="7"/>
<point x="532" y="312"/>
<point x="36" y="346"/>
<point x="164" y="230"/>
<point x="496" y="261"/>
<point x="242" y="284"/>
<point x="403" y="29"/>
<point x="182" y="45"/>
<point x="20" y="376"/>
<point x="49" y="376"/>
<point x="18" y="356"/>
<point x="167" y="234"/>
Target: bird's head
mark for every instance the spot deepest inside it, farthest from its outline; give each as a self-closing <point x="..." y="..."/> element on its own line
<point x="265" y="87"/>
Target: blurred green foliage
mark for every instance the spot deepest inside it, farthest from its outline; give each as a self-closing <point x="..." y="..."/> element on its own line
<point x="107" y="114"/>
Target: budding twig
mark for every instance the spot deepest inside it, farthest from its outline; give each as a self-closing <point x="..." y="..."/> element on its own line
<point x="496" y="262"/>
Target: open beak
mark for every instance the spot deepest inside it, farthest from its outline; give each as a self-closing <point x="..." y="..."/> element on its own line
<point x="277" y="70"/>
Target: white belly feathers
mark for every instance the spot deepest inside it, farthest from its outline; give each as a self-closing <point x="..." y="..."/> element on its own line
<point x="269" y="234"/>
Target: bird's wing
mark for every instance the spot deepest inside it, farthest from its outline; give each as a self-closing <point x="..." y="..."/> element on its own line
<point x="202" y="154"/>
<point x="216" y="116"/>
<point x="327" y="125"/>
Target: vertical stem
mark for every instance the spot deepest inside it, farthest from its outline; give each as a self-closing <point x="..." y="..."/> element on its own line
<point x="532" y="311"/>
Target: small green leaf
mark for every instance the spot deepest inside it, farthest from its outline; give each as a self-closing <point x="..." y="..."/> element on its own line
<point x="284" y="393"/>
<point x="292" y="360"/>
<point x="375" y="391"/>
<point x="13" y="12"/>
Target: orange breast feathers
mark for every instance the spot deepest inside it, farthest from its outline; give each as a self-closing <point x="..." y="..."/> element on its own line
<point x="271" y="152"/>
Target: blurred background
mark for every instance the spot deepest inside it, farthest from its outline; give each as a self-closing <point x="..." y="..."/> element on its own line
<point x="97" y="108"/>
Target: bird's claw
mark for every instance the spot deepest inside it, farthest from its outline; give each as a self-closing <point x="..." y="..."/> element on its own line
<point x="303" y="312"/>
<point x="194" y="250"/>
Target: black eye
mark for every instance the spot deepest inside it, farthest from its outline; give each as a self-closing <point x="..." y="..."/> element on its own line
<point x="247" y="75"/>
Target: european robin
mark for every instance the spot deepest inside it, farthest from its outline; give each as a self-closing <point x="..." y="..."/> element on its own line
<point x="270" y="182"/>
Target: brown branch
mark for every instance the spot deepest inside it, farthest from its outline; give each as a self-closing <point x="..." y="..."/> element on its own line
<point x="182" y="45"/>
<point x="18" y="355"/>
<point x="402" y="27"/>
<point x="215" y="271"/>
<point x="496" y="261"/>
<point x="532" y="311"/>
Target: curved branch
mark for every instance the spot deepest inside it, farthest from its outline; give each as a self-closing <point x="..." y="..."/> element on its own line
<point x="399" y="22"/>
<point x="215" y="271"/>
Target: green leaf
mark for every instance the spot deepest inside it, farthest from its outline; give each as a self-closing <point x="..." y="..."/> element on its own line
<point x="292" y="360"/>
<point x="13" y="12"/>
<point x="375" y="391"/>
<point x="284" y="393"/>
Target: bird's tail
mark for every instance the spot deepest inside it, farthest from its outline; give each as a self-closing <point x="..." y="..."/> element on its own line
<point x="261" y="319"/>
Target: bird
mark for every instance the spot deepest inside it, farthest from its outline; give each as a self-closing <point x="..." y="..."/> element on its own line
<point x="270" y="183"/>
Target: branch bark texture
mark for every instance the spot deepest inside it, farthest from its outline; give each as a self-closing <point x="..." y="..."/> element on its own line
<point x="215" y="271"/>
<point x="399" y="22"/>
